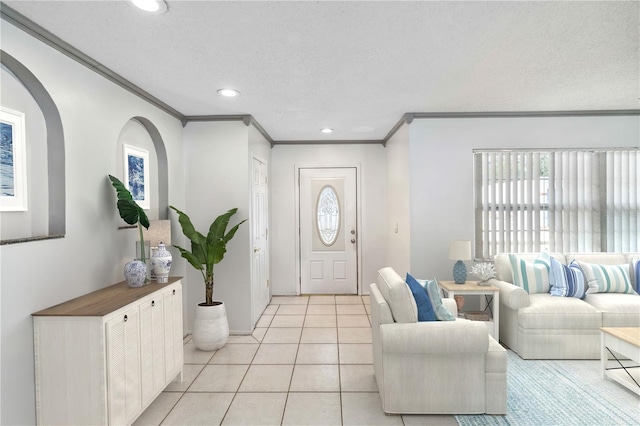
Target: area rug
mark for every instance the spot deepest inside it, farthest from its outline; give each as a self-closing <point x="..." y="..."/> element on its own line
<point x="563" y="392"/>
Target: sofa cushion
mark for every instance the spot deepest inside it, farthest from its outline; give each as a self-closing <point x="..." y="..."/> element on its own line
<point x="566" y="281"/>
<point x="548" y="312"/>
<point x="618" y="309"/>
<point x="532" y="276"/>
<point x="607" y="278"/>
<point x="433" y="291"/>
<point x="423" y="303"/>
<point x="398" y="295"/>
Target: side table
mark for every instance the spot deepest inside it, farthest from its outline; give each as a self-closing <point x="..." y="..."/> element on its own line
<point x="450" y="289"/>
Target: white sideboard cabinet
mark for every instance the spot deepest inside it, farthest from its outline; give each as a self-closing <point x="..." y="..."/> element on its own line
<point x="102" y="358"/>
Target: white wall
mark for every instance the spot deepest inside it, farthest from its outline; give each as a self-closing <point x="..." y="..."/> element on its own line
<point x="398" y="231"/>
<point x="372" y="238"/>
<point x="40" y="274"/>
<point x="217" y="179"/>
<point x="441" y="164"/>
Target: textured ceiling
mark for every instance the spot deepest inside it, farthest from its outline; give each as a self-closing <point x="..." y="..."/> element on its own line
<point x="358" y="66"/>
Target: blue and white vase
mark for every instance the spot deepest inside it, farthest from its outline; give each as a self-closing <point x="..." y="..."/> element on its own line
<point x="161" y="263"/>
<point x="135" y="272"/>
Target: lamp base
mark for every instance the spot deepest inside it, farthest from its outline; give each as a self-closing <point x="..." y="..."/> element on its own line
<point x="459" y="272"/>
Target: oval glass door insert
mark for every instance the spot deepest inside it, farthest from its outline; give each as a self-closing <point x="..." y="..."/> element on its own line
<point x="328" y="214"/>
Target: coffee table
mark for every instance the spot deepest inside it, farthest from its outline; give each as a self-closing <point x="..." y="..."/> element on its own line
<point x="621" y="343"/>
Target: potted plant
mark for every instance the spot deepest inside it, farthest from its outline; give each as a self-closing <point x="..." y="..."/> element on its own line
<point x="210" y="328"/>
<point x="133" y="214"/>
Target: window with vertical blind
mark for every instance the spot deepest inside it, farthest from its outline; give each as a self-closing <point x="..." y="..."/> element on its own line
<point x="560" y="200"/>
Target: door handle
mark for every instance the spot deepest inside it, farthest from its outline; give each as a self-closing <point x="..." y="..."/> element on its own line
<point x="256" y="249"/>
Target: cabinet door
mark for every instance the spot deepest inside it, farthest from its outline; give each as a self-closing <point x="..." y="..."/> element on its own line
<point x="123" y="361"/>
<point x="173" y="331"/>
<point x="152" y="348"/>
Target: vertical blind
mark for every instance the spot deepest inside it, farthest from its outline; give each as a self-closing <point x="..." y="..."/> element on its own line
<point x="561" y="200"/>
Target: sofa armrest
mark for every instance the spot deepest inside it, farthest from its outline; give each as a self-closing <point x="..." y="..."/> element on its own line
<point x="511" y="295"/>
<point x="451" y="306"/>
<point x="435" y="337"/>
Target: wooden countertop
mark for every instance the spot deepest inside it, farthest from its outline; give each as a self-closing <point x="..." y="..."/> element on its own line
<point x="467" y="286"/>
<point x="627" y="334"/>
<point x="104" y="301"/>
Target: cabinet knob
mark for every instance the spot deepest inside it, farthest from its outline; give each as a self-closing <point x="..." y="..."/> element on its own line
<point x="174" y="292"/>
<point x="126" y="318"/>
<point x="153" y="303"/>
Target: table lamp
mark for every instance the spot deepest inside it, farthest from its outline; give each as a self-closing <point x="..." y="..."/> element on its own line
<point x="459" y="251"/>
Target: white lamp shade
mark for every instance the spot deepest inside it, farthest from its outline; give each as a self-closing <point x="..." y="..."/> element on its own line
<point x="159" y="232"/>
<point x="460" y="250"/>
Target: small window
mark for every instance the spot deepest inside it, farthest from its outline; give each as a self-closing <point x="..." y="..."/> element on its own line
<point x="328" y="215"/>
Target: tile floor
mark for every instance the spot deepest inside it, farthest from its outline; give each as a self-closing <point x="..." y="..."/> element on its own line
<point x="308" y="362"/>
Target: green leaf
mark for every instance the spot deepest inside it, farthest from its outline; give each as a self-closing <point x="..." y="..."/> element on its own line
<point x="187" y="227"/>
<point x="232" y="232"/>
<point x="129" y="210"/>
<point x="199" y="250"/>
<point x="219" y="226"/>
<point x="190" y="257"/>
<point x="121" y="191"/>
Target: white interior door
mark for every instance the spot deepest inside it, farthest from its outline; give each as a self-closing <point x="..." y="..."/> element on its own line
<point x="259" y="236"/>
<point x="328" y="234"/>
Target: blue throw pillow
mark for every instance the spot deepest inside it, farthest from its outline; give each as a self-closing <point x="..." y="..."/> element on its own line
<point x="567" y="281"/>
<point x="425" y="310"/>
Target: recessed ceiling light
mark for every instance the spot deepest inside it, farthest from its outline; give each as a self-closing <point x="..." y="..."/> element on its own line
<point x="326" y="130"/>
<point x="228" y="93"/>
<point x="152" y="6"/>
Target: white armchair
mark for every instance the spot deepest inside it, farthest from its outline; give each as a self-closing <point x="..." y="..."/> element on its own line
<point x="438" y="367"/>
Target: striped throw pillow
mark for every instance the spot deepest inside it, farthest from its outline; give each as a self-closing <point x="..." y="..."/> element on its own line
<point x="607" y="278"/>
<point x="567" y="281"/>
<point x="532" y="277"/>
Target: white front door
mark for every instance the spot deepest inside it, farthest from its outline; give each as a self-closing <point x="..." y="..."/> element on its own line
<point x="259" y="235"/>
<point x="328" y="233"/>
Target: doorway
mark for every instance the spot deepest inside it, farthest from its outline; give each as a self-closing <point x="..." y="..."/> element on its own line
<point x="259" y="237"/>
<point x="328" y="240"/>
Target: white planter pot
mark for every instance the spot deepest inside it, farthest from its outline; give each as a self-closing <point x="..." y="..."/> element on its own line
<point x="210" y="327"/>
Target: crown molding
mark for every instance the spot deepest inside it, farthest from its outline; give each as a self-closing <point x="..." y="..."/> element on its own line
<point x="511" y="114"/>
<point x="329" y="142"/>
<point x="30" y="27"/>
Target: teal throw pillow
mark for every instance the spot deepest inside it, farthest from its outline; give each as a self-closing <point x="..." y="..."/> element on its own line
<point x="425" y="310"/>
<point x="607" y="278"/>
<point x="533" y="277"/>
<point x="433" y="291"/>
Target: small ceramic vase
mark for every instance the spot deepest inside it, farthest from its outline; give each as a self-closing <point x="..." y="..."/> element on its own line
<point x="161" y="263"/>
<point x="135" y="272"/>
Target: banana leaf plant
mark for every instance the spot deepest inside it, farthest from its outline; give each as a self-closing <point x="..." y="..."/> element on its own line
<point x="130" y="211"/>
<point x="207" y="251"/>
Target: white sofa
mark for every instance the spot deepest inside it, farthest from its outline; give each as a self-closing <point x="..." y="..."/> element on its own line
<point x="542" y="326"/>
<point x="436" y="367"/>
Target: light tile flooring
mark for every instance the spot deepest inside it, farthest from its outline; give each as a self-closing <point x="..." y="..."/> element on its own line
<point x="308" y="362"/>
